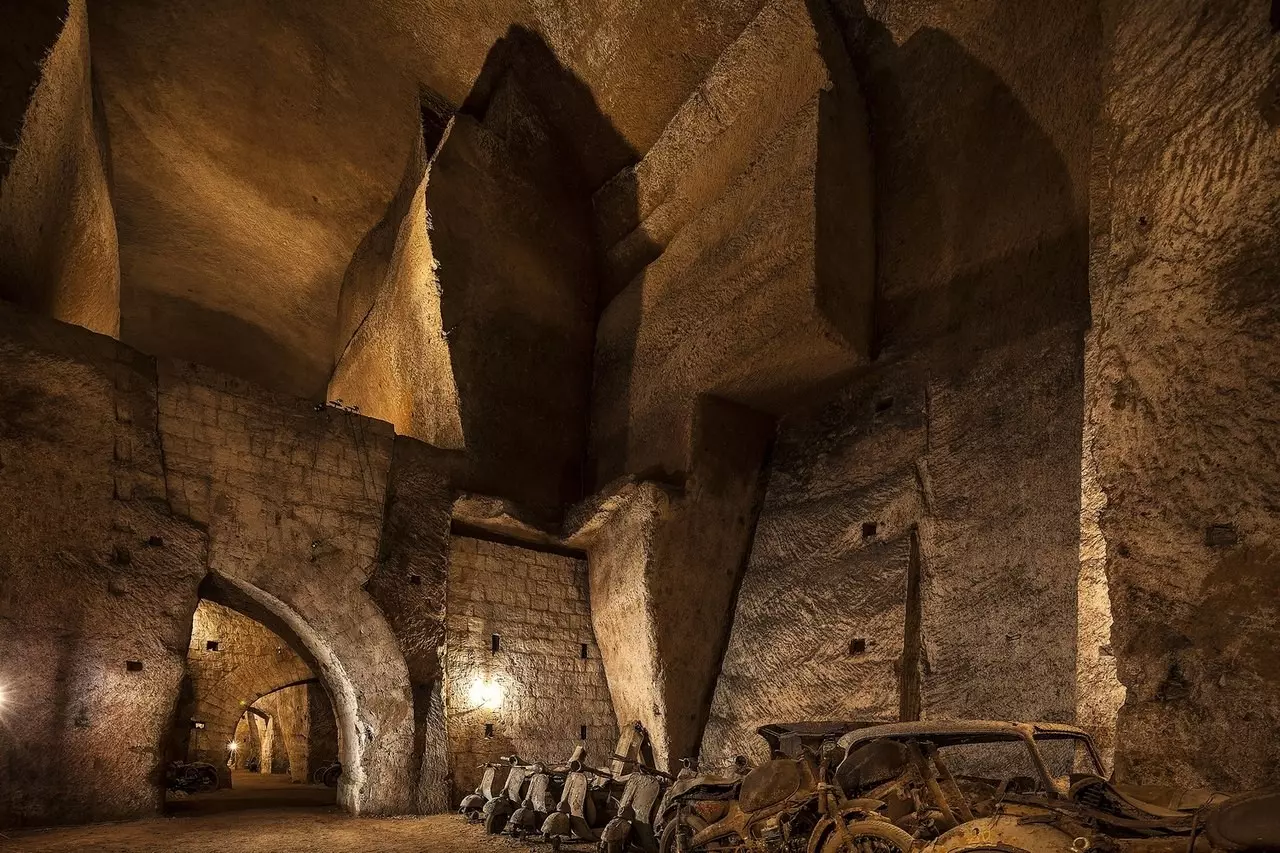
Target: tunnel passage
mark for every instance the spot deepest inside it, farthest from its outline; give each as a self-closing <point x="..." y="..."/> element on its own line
<point x="252" y="704"/>
<point x="372" y="767"/>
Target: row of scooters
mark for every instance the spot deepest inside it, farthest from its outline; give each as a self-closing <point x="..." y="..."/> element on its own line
<point x="573" y="803"/>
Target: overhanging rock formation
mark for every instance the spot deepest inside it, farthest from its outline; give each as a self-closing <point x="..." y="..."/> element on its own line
<point x="739" y="249"/>
<point x="58" y="251"/>
<point x="664" y="565"/>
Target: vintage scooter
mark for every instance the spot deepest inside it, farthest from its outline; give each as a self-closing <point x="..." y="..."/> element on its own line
<point x="633" y="826"/>
<point x="498" y="810"/>
<point x="490" y="787"/>
<point x="577" y="815"/>
<point x="541" y="798"/>
<point x="588" y="800"/>
<point x="196" y="778"/>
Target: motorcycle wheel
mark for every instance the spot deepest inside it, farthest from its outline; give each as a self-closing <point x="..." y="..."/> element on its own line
<point x="494" y="822"/>
<point x="868" y="836"/>
<point x="668" y="842"/>
<point x="331" y="776"/>
<point x="207" y="780"/>
<point x="611" y="847"/>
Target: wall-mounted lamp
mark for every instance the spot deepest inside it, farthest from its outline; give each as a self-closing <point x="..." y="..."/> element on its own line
<point x="233" y="746"/>
<point x="486" y="694"/>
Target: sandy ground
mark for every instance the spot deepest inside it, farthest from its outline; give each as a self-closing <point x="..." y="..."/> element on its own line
<point x="254" y="818"/>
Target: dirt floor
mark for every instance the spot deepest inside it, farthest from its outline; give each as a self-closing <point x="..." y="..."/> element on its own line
<point x="263" y="814"/>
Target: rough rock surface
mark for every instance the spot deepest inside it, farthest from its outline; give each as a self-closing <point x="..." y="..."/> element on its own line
<point x="392" y="359"/>
<point x="740" y="247"/>
<point x="1183" y="406"/>
<point x="58" y="252"/>
<point x="211" y="152"/>
<point x="409" y="585"/>
<point x="512" y="235"/>
<point x="665" y="565"/>
<point x="97" y="580"/>
<point x="968" y="426"/>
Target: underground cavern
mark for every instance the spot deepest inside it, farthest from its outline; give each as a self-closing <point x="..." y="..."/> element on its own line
<point x="596" y="418"/>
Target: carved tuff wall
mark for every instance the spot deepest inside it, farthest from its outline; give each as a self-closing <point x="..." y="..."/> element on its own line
<point x="1182" y="403"/>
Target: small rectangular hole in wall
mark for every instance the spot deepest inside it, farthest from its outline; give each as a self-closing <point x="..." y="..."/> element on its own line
<point x="869" y="529"/>
<point x="1220" y="536"/>
<point x="415" y="580"/>
<point x="857" y="646"/>
<point x="883" y="405"/>
<point x="133" y="665"/>
<point x="211" y="645"/>
<point x="582" y="733"/>
<point x="495" y="643"/>
<point x="582" y="651"/>
<point x="488" y="729"/>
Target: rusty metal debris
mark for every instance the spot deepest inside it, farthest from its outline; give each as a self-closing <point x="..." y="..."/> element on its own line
<point x="947" y="787"/>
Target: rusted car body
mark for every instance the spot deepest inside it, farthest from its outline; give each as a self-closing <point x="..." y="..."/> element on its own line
<point x="981" y="786"/>
<point x="777" y="807"/>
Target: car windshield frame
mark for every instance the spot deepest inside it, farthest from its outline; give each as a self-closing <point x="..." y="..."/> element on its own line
<point x="943" y="733"/>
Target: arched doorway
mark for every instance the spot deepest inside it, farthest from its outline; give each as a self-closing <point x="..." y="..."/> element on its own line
<point x="343" y="641"/>
<point x="255" y="711"/>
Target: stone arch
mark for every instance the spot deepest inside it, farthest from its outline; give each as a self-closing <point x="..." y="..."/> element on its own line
<point x="294" y="710"/>
<point x="233" y="660"/>
<point x="352" y="651"/>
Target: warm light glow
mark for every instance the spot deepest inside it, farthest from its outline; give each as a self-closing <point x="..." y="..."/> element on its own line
<point x="233" y="746"/>
<point x="487" y="694"/>
<point x="2" y="696"/>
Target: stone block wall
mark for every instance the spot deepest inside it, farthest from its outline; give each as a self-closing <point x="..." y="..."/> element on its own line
<point x="136" y="489"/>
<point x="290" y="713"/>
<point x="293" y="499"/>
<point x="535" y="604"/>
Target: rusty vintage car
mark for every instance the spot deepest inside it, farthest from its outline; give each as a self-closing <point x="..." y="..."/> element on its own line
<point x="778" y="806"/>
<point x="984" y="786"/>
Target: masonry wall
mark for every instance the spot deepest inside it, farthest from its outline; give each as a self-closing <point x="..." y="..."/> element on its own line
<point x="290" y="712"/>
<point x="293" y="500"/>
<point x="94" y="574"/>
<point x="536" y="604"/>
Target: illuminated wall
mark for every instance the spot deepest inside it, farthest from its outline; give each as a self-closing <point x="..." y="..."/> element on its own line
<point x="523" y="672"/>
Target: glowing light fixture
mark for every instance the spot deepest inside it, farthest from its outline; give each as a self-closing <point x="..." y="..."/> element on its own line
<point x="2" y="696"/>
<point x="486" y="694"/>
<point x="233" y="746"/>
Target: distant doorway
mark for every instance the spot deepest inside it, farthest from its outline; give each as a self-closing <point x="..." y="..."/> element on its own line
<point x="252" y="714"/>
